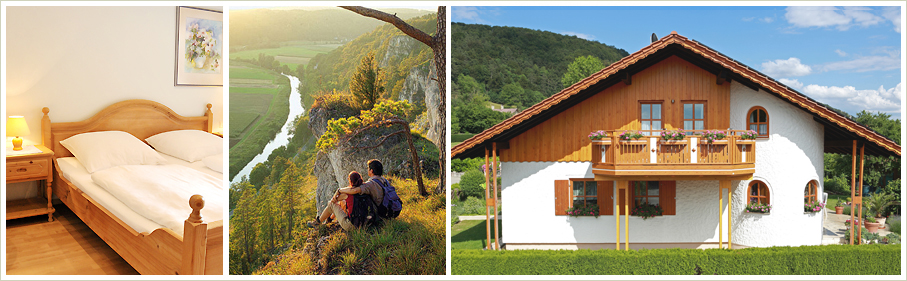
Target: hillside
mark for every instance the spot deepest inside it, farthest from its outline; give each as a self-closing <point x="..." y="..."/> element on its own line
<point x="265" y="28"/>
<point x="496" y="56"/>
<point x="397" y="55"/>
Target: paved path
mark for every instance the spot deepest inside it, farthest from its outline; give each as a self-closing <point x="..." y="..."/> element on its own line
<point x="834" y="229"/>
<point x="470" y="218"/>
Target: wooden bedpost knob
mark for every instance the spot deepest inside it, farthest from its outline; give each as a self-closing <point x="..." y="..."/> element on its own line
<point x="45" y="110"/>
<point x="196" y="202"/>
<point x="208" y="106"/>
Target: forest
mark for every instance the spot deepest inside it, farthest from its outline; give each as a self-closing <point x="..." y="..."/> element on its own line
<point x="511" y="66"/>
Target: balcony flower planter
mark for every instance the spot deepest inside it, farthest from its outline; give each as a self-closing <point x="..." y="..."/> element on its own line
<point x="673" y="142"/>
<point x="602" y="142"/>
<point x="714" y="142"/>
<point x="582" y="211"/>
<point x="640" y="141"/>
<point x="742" y="141"/>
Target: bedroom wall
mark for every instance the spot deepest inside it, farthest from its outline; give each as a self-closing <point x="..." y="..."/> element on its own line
<point x="78" y="60"/>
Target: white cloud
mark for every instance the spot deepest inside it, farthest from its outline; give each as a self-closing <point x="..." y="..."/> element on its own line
<point x="893" y="14"/>
<point x="867" y="63"/>
<point x="749" y="19"/>
<point x="841" y="53"/>
<point x="580" y="35"/>
<point x="466" y="13"/>
<point x="841" y="19"/>
<point x="848" y="96"/>
<point x="786" y="68"/>
<point x="793" y="83"/>
<point x="767" y="19"/>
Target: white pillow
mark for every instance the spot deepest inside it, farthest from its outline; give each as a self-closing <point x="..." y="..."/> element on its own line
<point x="101" y="150"/>
<point x="189" y="145"/>
<point x="215" y="162"/>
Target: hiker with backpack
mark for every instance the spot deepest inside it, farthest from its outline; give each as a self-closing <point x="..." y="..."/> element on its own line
<point x="341" y="205"/>
<point x="372" y="201"/>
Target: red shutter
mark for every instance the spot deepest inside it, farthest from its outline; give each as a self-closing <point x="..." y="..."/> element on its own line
<point x="605" y="203"/>
<point x="561" y="197"/>
<point x="666" y="193"/>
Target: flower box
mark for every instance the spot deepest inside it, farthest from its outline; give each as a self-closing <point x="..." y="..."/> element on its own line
<point x="714" y="142"/>
<point x="673" y="142"/>
<point x="746" y="141"/>
<point x="640" y="141"/>
<point x="602" y="142"/>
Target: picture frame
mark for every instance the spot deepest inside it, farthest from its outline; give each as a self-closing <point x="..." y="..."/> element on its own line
<point x="199" y="56"/>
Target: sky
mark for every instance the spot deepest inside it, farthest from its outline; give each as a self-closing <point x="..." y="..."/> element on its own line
<point x="847" y="57"/>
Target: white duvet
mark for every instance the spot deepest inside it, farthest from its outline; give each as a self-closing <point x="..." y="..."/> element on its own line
<point x="161" y="192"/>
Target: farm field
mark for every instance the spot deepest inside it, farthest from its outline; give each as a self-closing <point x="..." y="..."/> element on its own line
<point x="252" y="92"/>
<point x="292" y="55"/>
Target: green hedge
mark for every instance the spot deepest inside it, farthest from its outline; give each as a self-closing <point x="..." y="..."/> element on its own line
<point x="460" y="137"/>
<point x="806" y="260"/>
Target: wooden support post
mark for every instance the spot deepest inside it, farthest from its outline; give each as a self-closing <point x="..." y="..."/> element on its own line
<point x="617" y="215"/>
<point x="729" y="213"/>
<point x="487" y="217"/>
<point x="494" y="182"/>
<point x="853" y="174"/>
<point x="860" y="192"/>
<point x="627" y="215"/>
<point x="194" y="239"/>
<point x="720" y="214"/>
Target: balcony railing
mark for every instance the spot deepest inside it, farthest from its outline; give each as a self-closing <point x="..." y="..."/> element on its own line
<point x="693" y="154"/>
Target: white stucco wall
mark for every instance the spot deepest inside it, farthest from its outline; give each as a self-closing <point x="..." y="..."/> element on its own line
<point x="787" y="161"/>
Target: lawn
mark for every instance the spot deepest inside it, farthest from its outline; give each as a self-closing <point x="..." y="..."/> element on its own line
<point x="833" y="199"/>
<point x="470" y="234"/>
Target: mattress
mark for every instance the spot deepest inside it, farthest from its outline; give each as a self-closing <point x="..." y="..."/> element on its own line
<point x="73" y="171"/>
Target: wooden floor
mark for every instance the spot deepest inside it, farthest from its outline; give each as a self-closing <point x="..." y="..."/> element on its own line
<point x="64" y="246"/>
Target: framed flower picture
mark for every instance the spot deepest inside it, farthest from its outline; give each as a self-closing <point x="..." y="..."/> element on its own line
<point x="199" y="47"/>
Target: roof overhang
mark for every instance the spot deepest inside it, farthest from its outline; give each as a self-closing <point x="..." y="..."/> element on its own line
<point x="838" y="129"/>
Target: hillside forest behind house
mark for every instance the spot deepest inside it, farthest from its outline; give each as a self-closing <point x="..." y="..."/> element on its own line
<point x="270" y="207"/>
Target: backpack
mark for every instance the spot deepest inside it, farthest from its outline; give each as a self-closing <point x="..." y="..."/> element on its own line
<point x="391" y="205"/>
<point x="365" y="211"/>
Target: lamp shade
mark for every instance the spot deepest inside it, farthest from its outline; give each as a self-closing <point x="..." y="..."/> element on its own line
<point x="16" y="126"/>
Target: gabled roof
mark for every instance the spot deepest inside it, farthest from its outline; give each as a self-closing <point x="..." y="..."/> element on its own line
<point x="838" y="127"/>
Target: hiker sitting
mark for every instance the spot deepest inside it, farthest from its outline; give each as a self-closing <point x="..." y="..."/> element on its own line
<point x="387" y="202"/>
<point x="341" y="204"/>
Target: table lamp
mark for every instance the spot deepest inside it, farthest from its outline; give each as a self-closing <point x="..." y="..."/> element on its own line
<point x="16" y="126"/>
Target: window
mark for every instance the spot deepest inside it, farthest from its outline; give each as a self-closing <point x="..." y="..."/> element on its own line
<point x="585" y="193"/>
<point x="757" y="120"/>
<point x="809" y="195"/>
<point x="573" y="192"/>
<point x="694" y="116"/>
<point x="650" y="117"/>
<point x="645" y="192"/>
<point x="662" y="193"/>
<point x="758" y="193"/>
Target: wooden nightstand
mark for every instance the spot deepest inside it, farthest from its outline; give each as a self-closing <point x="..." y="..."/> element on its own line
<point x="31" y="167"/>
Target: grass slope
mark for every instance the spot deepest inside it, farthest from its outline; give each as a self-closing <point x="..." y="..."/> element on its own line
<point x="413" y="243"/>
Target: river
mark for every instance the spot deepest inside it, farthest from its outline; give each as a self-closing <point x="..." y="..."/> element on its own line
<point x="282" y="137"/>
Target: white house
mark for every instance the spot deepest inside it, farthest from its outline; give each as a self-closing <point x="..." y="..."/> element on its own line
<point x="550" y="164"/>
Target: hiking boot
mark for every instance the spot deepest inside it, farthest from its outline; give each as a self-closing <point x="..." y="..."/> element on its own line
<point x="312" y="224"/>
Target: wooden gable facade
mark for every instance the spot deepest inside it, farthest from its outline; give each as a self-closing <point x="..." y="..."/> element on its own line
<point x="670" y="82"/>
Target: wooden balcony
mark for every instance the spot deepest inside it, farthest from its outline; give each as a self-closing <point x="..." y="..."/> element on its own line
<point x="652" y="158"/>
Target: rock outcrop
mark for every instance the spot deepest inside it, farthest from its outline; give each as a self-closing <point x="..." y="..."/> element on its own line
<point x="333" y="167"/>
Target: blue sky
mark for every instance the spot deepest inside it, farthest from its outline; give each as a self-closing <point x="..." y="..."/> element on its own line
<point x="848" y="57"/>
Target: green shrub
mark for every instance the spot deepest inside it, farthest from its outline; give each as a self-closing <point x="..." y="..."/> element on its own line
<point x="894" y="224"/>
<point x="893" y="238"/>
<point x="470" y="206"/>
<point x="837" y="185"/>
<point x="471" y="184"/>
<point x="463" y="165"/>
<point x="805" y="260"/>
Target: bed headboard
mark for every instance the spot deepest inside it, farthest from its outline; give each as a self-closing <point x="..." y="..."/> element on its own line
<point x="141" y="118"/>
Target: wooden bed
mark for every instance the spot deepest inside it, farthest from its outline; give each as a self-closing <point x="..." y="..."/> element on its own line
<point x="199" y="250"/>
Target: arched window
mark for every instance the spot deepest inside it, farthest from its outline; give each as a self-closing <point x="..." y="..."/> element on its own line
<point x="757" y="120"/>
<point x="758" y="193"/>
<point x="809" y="195"/>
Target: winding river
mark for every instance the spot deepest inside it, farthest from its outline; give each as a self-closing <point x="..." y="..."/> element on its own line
<point x="282" y="137"/>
